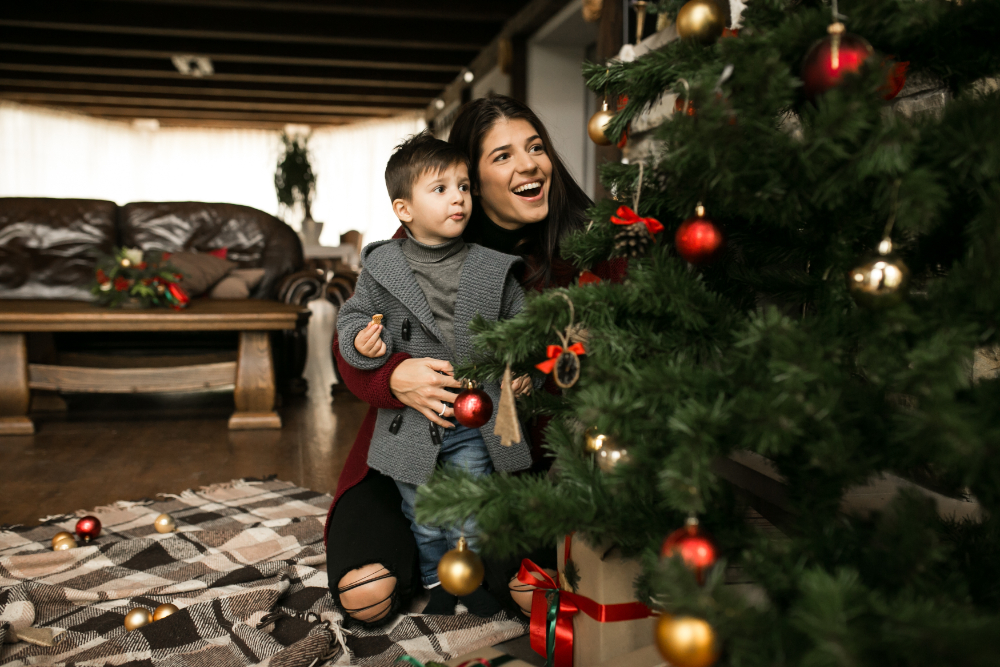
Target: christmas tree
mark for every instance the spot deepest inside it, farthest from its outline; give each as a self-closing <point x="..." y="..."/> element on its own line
<point x="834" y="336"/>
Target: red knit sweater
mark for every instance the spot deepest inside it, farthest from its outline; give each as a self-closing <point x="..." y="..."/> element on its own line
<point x="372" y="387"/>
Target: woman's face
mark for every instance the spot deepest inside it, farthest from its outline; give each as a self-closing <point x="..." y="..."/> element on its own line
<point x="514" y="175"/>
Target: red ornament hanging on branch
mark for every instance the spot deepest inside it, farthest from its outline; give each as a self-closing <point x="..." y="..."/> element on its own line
<point x="830" y="58"/>
<point x="693" y="546"/>
<point x="473" y="406"/>
<point x="699" y="240"/>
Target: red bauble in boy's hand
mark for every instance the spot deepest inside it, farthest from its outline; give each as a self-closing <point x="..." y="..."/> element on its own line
<point x="473" y="407"/>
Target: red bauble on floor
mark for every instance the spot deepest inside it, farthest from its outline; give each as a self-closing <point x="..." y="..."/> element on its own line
<point x="698" y="239"/>
<point x="473" y="407"/>
<point x="88" y="528"/>
<point x="831" y="58"/>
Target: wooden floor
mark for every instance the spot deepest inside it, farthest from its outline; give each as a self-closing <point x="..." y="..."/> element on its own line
<point x="127" y="447"/>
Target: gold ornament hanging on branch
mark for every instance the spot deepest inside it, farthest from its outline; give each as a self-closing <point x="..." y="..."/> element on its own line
<point x="461" y="570"/>
<point x="599" y="123"/>
<point x="701" y="21"/>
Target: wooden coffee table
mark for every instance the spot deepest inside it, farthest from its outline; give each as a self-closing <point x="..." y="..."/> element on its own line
<point x="251" y="375"/>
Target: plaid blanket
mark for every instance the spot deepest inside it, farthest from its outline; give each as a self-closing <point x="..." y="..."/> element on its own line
<point x="245" y="567"/>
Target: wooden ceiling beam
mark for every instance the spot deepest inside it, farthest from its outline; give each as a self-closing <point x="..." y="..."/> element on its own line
<point x="494" y="11"/>
<point x="263" y="26"/>
<point x="437" y="80"/>
<point x="234" y="124"/>
<point x="63" y="99"/>
<point x="184" y="114"/>
<point x="141" y="90"/>
<point x="150" y="46"/>
<point x="243" y="78"/>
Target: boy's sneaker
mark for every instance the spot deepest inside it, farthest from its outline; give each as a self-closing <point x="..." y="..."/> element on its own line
<point x="442" y="603"/>
<point x="481" y="603"/>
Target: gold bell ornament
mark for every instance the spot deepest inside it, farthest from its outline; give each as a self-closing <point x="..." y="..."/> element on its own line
<point x="461" y="570"/>
<point x="165" y="524"/>
<point x="701" y="21"/>
<point x="685" y="641"/>
<point x="137" y="618"/>
<point x="164" y="610"/>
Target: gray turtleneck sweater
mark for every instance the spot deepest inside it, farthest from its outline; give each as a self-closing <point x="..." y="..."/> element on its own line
<point x="438" y="269"/>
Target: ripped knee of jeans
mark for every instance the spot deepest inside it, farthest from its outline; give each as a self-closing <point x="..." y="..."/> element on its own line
<point x="522" y="593"/>
<point x="367" y="594"/>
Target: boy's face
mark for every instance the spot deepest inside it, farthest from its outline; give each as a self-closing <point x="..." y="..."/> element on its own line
<point x="439" y="205"/>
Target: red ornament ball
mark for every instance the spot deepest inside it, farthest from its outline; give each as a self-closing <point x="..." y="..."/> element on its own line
<point x="829" y="59"/>
<point x="473" y="407"/>
<point x="88" y="528"/>
<point x="694" y="547"/>
<point x="698" y="239"/>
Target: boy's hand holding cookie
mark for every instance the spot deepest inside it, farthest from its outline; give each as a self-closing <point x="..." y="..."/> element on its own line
<point x="369" y="340"/>
<point x="521" y="386"/>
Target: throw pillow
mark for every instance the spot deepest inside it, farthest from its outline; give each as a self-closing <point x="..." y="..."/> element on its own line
<point x="199" y="270"/>
<point x="237" y="285"/>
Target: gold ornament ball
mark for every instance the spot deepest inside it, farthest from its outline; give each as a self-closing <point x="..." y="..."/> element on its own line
<point x="63" y="541"/>
<point x="164" y="524"/>
<point x="595" y="441"/>
<point x="879" y="283"/>
<point x="461" y="570"/>
<point x="597" y="124"/>
<point x="686" y="642"/>
<point x="126" y="262"/>
<point x="137" y="618"/>
<point x="701" y="20"/>
<point x="610" y="455"/>
<point x="164" y="610"/>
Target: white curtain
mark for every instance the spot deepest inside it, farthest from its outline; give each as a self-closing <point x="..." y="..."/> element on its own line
<point x="45" y="153"/>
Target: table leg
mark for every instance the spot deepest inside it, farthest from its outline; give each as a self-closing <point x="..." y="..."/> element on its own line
<point x="254" y="393"/>
<point x="15" y="396"/>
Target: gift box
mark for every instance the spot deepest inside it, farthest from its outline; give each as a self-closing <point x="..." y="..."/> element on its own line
<point x="607" y="578"/>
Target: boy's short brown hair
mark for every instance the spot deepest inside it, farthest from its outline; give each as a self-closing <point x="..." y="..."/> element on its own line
<point x="418" y="154"/>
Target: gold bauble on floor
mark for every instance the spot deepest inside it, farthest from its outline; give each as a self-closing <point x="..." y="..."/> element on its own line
<point x="685" y="641"/>
<point x="165" y="524"/>
<point x="137" y="618"/>
<point x="598" y="123"/>
<point x="63" y="541"/>
<point x="701" y="20"/>
<point x="461" y="570"/>
<point x="164" y="610"/>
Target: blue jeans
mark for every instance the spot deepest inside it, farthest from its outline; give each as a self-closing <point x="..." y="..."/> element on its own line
<point x="463" y="448"/>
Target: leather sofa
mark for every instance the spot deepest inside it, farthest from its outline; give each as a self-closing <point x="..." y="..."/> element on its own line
<point x="49" y="249"/>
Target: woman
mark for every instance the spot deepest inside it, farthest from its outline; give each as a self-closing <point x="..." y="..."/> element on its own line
<point x="525" y="204"/>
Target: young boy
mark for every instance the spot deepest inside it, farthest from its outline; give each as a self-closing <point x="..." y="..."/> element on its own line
<point x="427" y="288"/>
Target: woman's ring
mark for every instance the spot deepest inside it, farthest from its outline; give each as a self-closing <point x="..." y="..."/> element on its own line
<point x="444" y="406"/>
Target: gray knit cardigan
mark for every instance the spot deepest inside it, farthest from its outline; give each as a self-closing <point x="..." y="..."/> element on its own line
<point x="404" y="449"/>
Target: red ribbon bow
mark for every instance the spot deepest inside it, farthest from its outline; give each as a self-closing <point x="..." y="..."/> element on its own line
<point x="626" y="216"/>
<point x="553" y="352"/>
<point x="556" y="643"/>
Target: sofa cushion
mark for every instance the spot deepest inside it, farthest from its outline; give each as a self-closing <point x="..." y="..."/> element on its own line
<point x="254" y="239"/>
<point x="49" y="247"/>
<point x="199" y="270"/>
<point x="237" y="285"/>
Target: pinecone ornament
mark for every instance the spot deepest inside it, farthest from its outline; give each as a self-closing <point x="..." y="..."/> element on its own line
<point x="633" y="240"/>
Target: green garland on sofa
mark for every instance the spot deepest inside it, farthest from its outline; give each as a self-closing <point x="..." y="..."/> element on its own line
<point x="129" y="278"/>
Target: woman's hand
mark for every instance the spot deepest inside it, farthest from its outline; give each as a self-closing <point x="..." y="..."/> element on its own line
<point x="421" y="384"/>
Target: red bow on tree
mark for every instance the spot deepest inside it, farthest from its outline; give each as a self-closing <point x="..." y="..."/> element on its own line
<point x="626" y="216"/>
<point x="553" y="352"/>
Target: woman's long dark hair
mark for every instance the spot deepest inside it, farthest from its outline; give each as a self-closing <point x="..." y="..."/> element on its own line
<point x="568" y="203"/>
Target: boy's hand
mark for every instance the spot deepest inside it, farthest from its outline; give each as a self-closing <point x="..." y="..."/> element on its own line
<point x="521" y="386"/>
<point x="369" y="342"/>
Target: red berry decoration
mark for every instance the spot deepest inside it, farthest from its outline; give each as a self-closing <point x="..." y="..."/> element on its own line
<point x="698" y="239"/>
<point x="694" y="547"/>
<point x="829" y="59"/>
<point x="473" y="407"/>
<point x="88" y="528"/>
